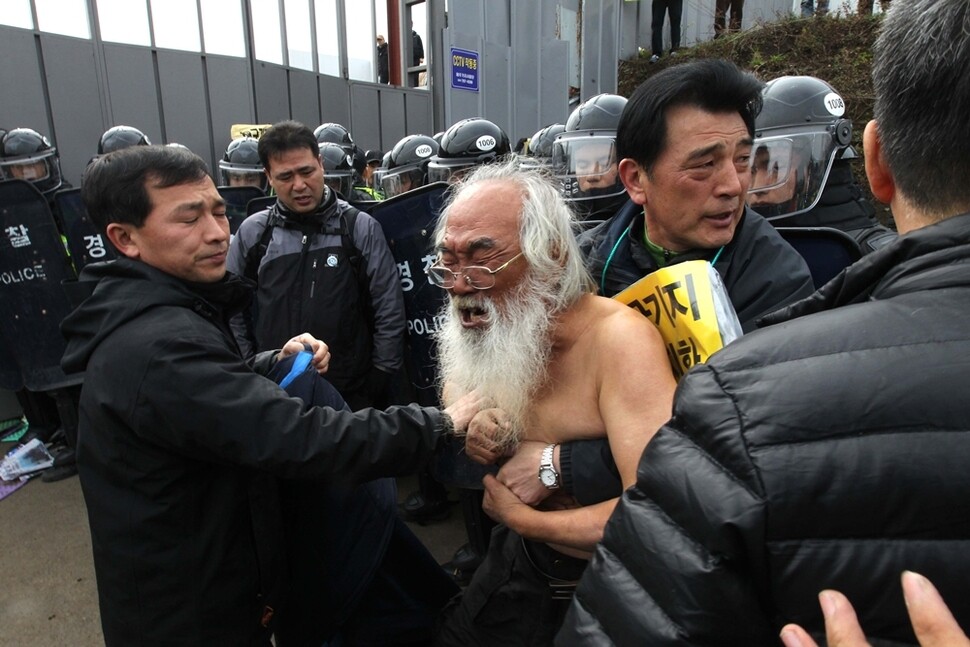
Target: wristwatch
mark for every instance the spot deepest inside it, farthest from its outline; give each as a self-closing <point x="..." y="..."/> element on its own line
<point x="548" y="475"/>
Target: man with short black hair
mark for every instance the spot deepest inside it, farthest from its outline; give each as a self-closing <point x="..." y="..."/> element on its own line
<point x="180" y="437"/>
<point x="323" y="266"/>
<point x="829" y="449"/>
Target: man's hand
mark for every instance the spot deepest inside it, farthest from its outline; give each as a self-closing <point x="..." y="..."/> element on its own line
<point x="501" y="504"/>
<point x="480" y="444"/>
<point x="462" y="410"/>
<point x="520" y="473"/>
<point x="933" y="623"/>
<point x="321" y="352"/>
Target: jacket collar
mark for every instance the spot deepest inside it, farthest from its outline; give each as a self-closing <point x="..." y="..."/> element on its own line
<point x="932" y="257"/>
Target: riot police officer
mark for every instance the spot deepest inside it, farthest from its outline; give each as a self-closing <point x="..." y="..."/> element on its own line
<point x="240" y="166"/>
<point x="800" y="172"/>
<point x="465" y="144"/>
<point x="25" y="154"/>
<point x="584" y="158"/>
<point x="339" y="174"/>
<point x="119" y="137"/>
<point x="407" y="165"/>
<point x="540" y="145"/>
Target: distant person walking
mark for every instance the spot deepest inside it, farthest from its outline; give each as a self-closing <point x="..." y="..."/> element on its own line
<point x="661" y="7"/>
<point x="721" y="8"/>
<point x="383" y="64"/>
<point x="812" y="8"/>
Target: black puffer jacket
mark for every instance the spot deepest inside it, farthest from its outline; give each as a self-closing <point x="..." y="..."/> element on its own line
<point x="177" y="439"/>
<point x="760" y="270"/>
<point x="825" y="451"/>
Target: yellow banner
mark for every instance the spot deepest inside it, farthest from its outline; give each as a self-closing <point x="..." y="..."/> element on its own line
<point x="237" y="131"/>
<point x="680" y="301"/>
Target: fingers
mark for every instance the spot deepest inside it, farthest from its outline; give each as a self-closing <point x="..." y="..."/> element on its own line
<point x="841" y="624"/>
<point x="795" y="636"/>
<point x="933" y="623"/>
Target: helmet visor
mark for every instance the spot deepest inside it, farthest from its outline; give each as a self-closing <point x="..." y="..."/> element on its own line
<point x="587" y="167"/>
<point x="788" y="173"/>
<point x="400" y="180"/>
<point x="31" y="169"/>
<point x="444" y="172"/>
<point x="242" y="175"/>
<point x="340" y="181"/>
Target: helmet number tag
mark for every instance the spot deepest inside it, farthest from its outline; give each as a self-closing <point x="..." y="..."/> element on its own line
<point x="485" y="143"/>
<point x="834" y="104"/>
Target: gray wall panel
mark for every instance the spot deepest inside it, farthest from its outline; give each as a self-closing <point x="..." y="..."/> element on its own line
<point x="467" y="16"/>
<point x="180" y="77"/>
<point x="497" y="22"/>
<point x="230" y="97"/>
<point x="75" y="101"/>
<point x="417" y="111"/>
<point x="366" y="109"/>
<point x="24" y="107"/>
<point x="272" y="93"/>
<point x="393" y="124"/>
<point x="131" y="92"/>
<point x="304" y="97"/>
<point x="496" y="79"/>
<point x="527" y="58"/>
<point x="334" y="100"/>
<point x="554" y="84"/>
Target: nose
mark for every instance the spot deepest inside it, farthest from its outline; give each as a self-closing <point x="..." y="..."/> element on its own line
<point x="730" y="182"/>
<point x="461" y="286"/>
<point x="217" y="229"/>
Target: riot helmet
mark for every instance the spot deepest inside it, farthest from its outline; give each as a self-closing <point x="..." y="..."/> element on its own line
<point x="468" y="143"/>
<point x="25" y="154"/>
<point x="338" y="169"/>
<point x="332" y="133"/>
<point x="584" y="156"/>
<point x="800" y="132"/>
<point x="240" y="166"/>
<point x="407" y="166"/>
<point x="540" y="146"/>
<point x="119" y="137"/>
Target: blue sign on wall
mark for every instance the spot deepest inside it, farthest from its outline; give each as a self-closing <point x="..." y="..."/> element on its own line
<point x="464" y="69"/>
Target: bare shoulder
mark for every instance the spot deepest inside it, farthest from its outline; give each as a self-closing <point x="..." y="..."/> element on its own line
<point x="617" y="325"/>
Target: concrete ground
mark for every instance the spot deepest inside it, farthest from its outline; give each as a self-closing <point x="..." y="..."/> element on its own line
<point x="48" y="595"/>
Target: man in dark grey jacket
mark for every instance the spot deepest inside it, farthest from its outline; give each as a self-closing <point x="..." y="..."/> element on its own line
<point x="180" y="438"/>
<point x="828" y="450"/>
<point x="321" y="266"/>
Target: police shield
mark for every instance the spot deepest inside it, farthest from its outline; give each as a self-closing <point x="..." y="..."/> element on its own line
<point x="84" y="241"/>
<point x="33" y="263"/>
<point x="260" y="204"/>
<point x="408" y="221"/>
<point x="237" y="199"/>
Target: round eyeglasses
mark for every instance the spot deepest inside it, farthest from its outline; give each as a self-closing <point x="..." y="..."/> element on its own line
<point x="478" y="277"/>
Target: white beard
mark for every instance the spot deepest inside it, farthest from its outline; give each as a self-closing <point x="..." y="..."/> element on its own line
<point x="504" y="361"/>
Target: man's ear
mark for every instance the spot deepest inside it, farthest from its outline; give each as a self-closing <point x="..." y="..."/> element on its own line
<point x="120" y="236"/>
<point x="880" y="176"/>
<point x="633" y="178"/>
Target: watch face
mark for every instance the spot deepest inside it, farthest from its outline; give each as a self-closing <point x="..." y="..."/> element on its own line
<point x="547" y="476"/>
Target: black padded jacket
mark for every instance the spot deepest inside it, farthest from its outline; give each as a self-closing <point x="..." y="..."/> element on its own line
<point x="827" y="450"/>
<point x="179" y="439"/>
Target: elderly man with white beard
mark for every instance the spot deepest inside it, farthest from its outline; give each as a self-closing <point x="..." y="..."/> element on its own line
<point x="558" y="363"/>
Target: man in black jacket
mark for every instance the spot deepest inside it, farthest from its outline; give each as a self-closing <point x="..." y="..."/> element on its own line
<point x="179" y="436"/>
<point x="828" y="449"/>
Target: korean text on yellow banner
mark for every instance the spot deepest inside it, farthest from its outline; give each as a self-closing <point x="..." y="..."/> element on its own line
<point x="689" y="304"/>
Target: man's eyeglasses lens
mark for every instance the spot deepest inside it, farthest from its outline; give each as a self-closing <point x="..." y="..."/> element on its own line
<point x="480" y="278"/>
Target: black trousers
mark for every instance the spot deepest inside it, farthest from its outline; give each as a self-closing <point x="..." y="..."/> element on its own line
<point x="661" y="7"/>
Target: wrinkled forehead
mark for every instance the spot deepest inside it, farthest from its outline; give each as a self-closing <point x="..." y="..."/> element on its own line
<point x="483" y="216"/>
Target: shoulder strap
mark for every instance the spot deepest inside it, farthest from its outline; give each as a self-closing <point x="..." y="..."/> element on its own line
<point x="256" y="253"/>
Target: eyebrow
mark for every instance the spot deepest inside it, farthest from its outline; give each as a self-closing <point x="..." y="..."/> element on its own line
<point x="198" y="205"/>
<point x="707" y="150"/>
<point x="474" y="246"/>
